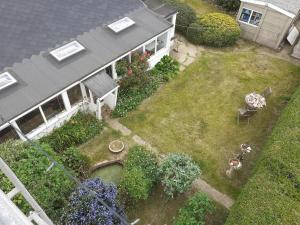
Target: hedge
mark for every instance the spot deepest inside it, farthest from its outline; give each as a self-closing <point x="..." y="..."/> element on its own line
<point x="229" y="5"/>
<point x="78" y="130"/>
<point x="186" y="15"/>
<point x="272" y="195"/>
<point x="214" y="29"/>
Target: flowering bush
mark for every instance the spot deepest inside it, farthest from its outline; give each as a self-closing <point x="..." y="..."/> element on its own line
<point x="134" y="89"/>
<point x="85" y="208"/>
<point x="177" y="173"/>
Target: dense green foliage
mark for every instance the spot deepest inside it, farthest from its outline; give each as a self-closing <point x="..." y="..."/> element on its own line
<point x="140" y="173"/>
<point x="194" y="33"/>
<point x="229" y="5"/>
<point x="214" y="29"/>
<point x="79" y="129"/>
<point x="51" y="189"/>
<point x="195" y="210"/>
<point x="141" y="83"/>
<point x="166" y="68"/>
<point x="186" y="15"/>
<point x="272" y="195"/>
<point x="76" y="161"/>
<point x="135" y="185"/>
<point x="177" y="172"/>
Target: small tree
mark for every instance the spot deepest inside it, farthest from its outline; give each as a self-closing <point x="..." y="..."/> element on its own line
<point x="195" y="210"/>
<point x="177" y="173"/>
<point x="85" y="208"/>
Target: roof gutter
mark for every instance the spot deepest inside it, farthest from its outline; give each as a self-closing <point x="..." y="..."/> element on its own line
<point x="276" y="8"/>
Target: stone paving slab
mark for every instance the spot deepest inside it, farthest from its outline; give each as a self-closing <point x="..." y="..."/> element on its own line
<point x="217" y="196"/>
<point x="116" y="125"/>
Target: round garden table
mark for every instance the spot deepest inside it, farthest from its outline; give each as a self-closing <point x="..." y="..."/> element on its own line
<point x="255" y="101"/>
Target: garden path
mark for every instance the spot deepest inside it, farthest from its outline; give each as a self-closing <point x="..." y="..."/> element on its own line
<point x="198" y="184"/>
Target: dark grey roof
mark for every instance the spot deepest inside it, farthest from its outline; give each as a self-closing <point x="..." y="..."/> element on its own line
<point x="30" y="26"/>
<point x="160" y="8"/>
<point x="41" y="76"/>
<point x="292" y="6"/>
<point x="100" y="84"/>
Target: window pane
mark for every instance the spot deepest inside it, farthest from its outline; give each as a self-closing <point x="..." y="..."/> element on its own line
<point x="138" y="51"/>
<point x="30" y="121"/>
<point x="8" y="133"/>
<point x="87" y="92"/>
<point x="255" y="18"/>
<point x="53" y="107"/>
<point x="245" y="16"/>
<point x="108" y="70"/>
<point x="150" y="48"/>
<point x="162" y="41"/>
<point x="75" y="94"/>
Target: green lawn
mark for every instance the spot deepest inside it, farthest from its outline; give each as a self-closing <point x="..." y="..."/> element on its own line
<point x="97" y="148"/>
<point x="202" y="6"/>
<point x="196" y="112"/>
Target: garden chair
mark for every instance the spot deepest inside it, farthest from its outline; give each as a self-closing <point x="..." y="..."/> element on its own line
<point x="244" y="113"/>
<point x="267" y="92"/>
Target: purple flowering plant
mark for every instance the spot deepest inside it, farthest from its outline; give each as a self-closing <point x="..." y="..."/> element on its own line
<point x="85" y="208"/>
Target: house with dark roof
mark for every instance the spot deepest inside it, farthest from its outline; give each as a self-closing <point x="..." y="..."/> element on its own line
<point x="270" y="22"/>
<point x="58" y="57"/>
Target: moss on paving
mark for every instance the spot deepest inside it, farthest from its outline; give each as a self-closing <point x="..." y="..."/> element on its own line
<point x="196" y="112"/>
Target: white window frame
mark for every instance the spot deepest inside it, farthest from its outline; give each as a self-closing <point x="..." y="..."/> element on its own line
<point x="13" y="80"/>
<point x="248" y="22"/>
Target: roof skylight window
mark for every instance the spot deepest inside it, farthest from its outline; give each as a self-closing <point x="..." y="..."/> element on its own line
<point x="121" y="24"/>
<point x="6" y="79"/>
<point x="67" y="50"/>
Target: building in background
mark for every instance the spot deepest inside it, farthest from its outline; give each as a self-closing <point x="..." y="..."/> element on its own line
<point x="271" y="23"/>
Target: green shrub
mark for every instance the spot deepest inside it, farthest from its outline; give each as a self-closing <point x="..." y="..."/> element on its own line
<point x="195" y="210"/>
<point x="140" y="173"/>
<point x="186" y="15"/>
<point x="194" y="33"/>
<point x="79" y="129"/>
<point x="166" y="68"/>
<point x="272" y="195"/>
<point x="216" y="29"/>
<point x="122" y="67"/>
<point x="76" y="161"/>
<point x="135" y="88"/>
<point x="139" y="157"/>
<point x="135" y="184"/>
<point x="177" y="173"/>
<point x="229" y="5"/>
<point x="50" y="189"/>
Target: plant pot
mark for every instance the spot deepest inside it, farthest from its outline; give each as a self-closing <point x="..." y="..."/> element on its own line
<point x="116" y="146"/>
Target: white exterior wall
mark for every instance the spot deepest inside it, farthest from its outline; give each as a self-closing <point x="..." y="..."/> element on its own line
<point x="88" y="104"/>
